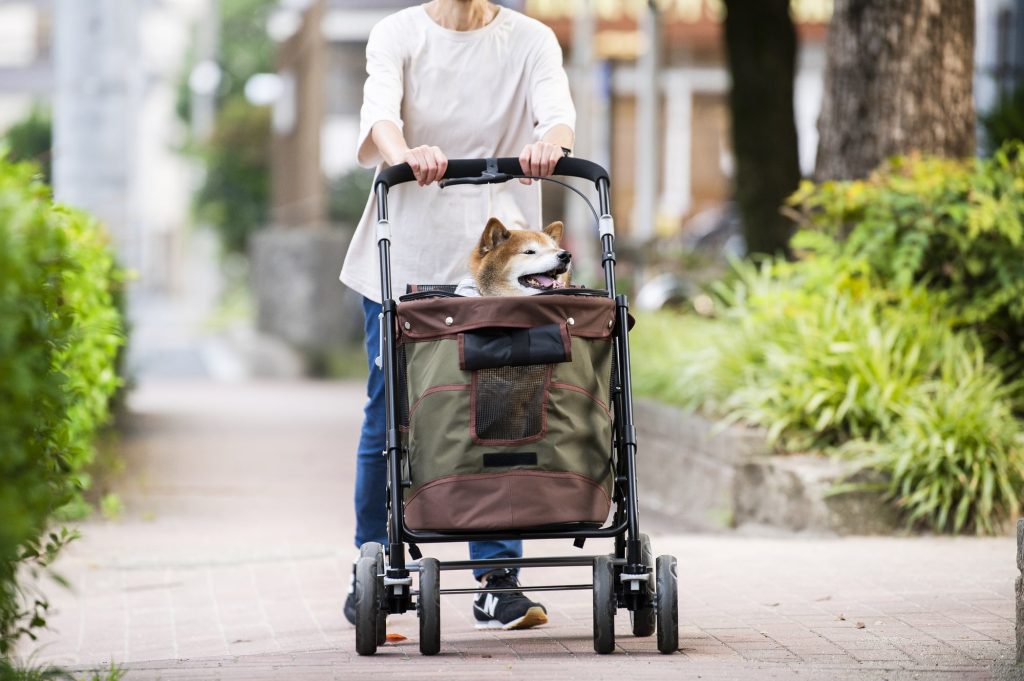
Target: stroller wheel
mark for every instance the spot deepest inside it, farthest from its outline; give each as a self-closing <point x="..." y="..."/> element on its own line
<point x="372" y="549"/>
<point x="604" y="605"/>
<point x="428" y="606"/>
<point x="643" y="619"/>
<point x="367" y="606"/>
<point x="668" y="604"/>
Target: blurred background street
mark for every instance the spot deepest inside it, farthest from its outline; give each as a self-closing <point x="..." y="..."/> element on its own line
<point x="820" y="215"/>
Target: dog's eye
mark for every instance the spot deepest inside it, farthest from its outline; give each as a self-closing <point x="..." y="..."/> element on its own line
<point x="530" y="251"/>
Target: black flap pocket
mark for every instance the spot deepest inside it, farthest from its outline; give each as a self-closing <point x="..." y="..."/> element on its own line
<point x="492" y="348"/>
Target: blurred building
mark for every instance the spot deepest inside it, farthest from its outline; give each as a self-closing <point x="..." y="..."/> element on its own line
<point x="998" y="52"/>
<point x="694" y="161"/>
<point x="109" y="71"/>
<point x="26" y="66"/>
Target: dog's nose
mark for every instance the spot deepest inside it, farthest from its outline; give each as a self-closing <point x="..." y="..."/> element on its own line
<point x="564" y="256"/>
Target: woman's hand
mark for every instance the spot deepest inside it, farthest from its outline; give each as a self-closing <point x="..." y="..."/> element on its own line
<point x="539" y="159"/>
<point x="428" y="163"/>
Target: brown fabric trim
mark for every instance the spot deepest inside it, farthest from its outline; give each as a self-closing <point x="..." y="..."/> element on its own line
<point x="525" y="440"/>
<point x="582" y="391"/>
<point x="566" y="341"/>
<point x="426" y="318"/>
<point x="512" y="499"/>
<point x="435" y="389"/>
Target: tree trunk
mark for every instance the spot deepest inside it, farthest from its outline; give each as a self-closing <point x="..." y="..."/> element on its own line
<point x="761" y="43"/>
<point x="898" y="79"/>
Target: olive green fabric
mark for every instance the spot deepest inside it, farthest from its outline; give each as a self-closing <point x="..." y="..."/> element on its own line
<point x="577" y="427"/>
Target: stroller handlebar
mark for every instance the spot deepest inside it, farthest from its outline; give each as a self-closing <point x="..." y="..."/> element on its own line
<point x="472" y="171"/>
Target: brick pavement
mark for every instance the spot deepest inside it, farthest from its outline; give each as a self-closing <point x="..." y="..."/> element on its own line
<point x="233" y="558"/>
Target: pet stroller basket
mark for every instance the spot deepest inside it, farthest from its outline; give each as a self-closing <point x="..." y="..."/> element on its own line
<point x="504" y="408"/>
<point x="509" y="418"/>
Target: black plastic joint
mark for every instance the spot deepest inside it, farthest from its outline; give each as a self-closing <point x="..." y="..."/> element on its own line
<point x="609" y="256"/>
<point x="578" y="542"/>
<point x="393" y="439"/>
<point x="629" y="436"/>
<point x="415" y="552"/>
<point x="388" y="306"/>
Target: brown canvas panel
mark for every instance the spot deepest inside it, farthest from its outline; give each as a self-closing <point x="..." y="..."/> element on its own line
<point x="426" y="319"/>
<point x="577" y="438"/>
<point x="513" y="499"/>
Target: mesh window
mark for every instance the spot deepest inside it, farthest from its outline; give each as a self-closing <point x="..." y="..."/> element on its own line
<point x="509" y="402"/>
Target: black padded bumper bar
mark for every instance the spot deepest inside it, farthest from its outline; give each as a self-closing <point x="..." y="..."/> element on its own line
<point x="475" y="167"/>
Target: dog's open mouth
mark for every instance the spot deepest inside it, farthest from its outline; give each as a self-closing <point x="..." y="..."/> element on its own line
<point x="544" y="281"/>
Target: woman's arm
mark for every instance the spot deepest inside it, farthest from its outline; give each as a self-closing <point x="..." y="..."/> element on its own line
<point x="428" y="163"/>
<point x="551" y="105"/>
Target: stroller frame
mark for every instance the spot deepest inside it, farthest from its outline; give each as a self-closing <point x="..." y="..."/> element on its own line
<point x="627" y="578"/>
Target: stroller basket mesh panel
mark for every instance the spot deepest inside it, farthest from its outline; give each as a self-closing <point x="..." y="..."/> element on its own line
<point x="505" y="447"/>
<point x="507" y="402"/>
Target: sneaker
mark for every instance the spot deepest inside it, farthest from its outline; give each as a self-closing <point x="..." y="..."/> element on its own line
<point x="350" y="600"/>
<point x="507" y="610"/>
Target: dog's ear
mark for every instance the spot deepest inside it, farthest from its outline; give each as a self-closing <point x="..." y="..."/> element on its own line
<point x="554" y="230"/>
<point x="494" y="234"/>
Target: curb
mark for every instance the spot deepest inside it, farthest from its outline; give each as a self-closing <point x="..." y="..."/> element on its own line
<point x="712" y="477"/>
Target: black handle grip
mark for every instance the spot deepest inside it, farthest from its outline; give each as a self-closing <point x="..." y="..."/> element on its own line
<point x="475" y="167"/>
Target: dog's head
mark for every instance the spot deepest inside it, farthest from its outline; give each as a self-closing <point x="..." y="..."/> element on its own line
<point x="519" y="262"/>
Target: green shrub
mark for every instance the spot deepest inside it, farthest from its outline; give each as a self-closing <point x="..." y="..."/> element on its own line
<point x="955" y="226"/>
<point x="1005" y="121"/>
<point x="59" y="336"/>
<point x="234" y="198"/>
<point x="347" y="196"/>
<point x="824" y="361"/>
<point x="31" y="139"/>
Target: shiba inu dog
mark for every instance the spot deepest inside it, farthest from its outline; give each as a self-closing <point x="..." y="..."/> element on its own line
<point x="519" y="262"/>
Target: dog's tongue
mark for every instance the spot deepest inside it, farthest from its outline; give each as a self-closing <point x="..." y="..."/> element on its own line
<point x="544" y="280"/>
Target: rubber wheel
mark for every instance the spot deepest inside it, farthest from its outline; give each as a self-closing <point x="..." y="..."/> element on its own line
<point x="428" y="606"/>
<point x="367" y="606"/>
<point x="644" y="619"/>
<point x="667" y="599"/>
<point x="604" y="605"/>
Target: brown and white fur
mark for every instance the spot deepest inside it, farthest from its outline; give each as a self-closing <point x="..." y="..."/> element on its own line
<point x="519" y="262"/>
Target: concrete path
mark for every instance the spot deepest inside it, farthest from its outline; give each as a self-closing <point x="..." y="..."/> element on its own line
<point x="234" y="555"/>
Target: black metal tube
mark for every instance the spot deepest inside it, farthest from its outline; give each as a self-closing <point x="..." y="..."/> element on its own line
<point x="382" y="202"/>
<point x="429" y="537"/>
<point x="550" y="561"/>
<point x="396" y="550"/>
<point x="607" y="240"/>
<point x="608" y="263"/>
<point x="554" y="587"/>
<point x="633" y="556"/>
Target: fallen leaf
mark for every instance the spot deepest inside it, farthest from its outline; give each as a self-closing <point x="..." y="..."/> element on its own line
<point x="859" y="625"/>
<point x="842" y="617"/>
<point x="394" y="638"/>
<point x="823" y="598"/>
<point x="772" y="605"/>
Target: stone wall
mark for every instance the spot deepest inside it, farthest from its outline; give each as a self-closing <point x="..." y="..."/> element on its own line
<point x="298" y="296"/>
<point x="708" y="476"/>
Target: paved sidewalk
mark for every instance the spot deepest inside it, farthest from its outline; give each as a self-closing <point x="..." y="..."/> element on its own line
<point x="235" y="553"/>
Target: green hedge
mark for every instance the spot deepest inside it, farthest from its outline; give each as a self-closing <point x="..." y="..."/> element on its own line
<point x="59" y="335"/>
<point x="893" y="340"/>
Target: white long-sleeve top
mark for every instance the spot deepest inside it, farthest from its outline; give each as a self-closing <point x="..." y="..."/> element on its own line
<point x="474" y="94"/>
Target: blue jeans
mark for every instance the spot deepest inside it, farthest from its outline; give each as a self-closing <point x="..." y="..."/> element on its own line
<point x="371" y="466"/>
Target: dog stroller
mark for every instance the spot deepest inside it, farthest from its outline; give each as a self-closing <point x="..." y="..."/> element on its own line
<point x="509" y="418"/>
